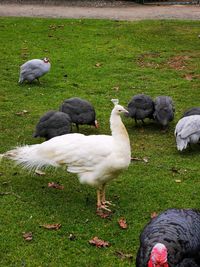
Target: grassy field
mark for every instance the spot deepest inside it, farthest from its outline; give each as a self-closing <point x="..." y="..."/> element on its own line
<point x="96" y="60"/>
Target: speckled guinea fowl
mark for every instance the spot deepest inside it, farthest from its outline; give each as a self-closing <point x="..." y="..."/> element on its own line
<point x="80" y="111"/>
<point x="172" y="239"/>
<point x="34" y="69"/>
<point x="164" y="110"/>
<point x="140" y="107"/>
<point x="187" y="131"/>
<point x="192" y="111"/>
<point x="53" y="123"/>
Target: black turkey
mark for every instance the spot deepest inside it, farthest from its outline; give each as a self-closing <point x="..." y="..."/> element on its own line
<point x="172" y="239"/>
<point x="80" y="111"/>
<point x="140" y="107"/>
<point x="164" y="110"/>
<point x="53" y="123"/>
<point x="192" y="111"/>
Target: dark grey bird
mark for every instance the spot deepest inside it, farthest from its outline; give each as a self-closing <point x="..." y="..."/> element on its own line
<point x="34" y="69"/>
<point x="172" y="239"/>
<point x="187" y="131"/>
<point x="140" y="107"/>
<point x="53" y="123"/>
<point x="80" y="111"/>
<point x="164" y="110"/>
<point x="192" y="111"/>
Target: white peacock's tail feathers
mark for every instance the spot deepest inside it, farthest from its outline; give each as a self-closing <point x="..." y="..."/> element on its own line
<point x="115" y="101"/>
<point x="30" y="157"/>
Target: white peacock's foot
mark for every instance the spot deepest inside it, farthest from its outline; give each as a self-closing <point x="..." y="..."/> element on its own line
<point x="103" y="207"/>
<point x="108" y="203"/>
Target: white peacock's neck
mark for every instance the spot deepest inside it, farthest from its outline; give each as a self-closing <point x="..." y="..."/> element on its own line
<point x="118" y="129"/>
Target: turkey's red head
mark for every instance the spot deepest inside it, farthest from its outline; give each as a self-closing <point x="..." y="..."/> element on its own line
<point x="158" y="257"/>
<point x="46" y="60"/>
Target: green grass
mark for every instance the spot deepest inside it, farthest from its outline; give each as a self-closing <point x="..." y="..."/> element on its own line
<point x="150" y="57"/>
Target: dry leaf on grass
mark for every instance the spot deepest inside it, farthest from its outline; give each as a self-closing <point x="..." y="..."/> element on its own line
<point x="41" y="173"/>
<point x="21" y="113"/>
<point x="116" y="88"/>
<point x="154" y="215"/>
<point x="71" y="237"/>
<point x="28" y="236"/>
<point x="95" y="241"/>
<point x="124" y="256"/>
<point x="174" y="170"/>
<point x="188" y="77"/>
<point x="55" y="185"/>
<point x="145" y="159"/>
<point x="104" y="214"/>
<point x="98" y="65"/>
<point x="122" y="223"/>
<point x="54" y="226"/>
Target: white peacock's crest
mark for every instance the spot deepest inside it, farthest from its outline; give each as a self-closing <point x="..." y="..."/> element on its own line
<point x="115" y="101"/>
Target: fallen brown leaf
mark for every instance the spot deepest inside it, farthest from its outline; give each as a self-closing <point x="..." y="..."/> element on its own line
<point x="174" y="170"/>
<point x="28" y="236"/>
<point x="188" y="77"/>
<point x="38" y="172"/>
<point x="54" y="226"/>
<point x="116" y="88"/>
<point x="21" y="113"/>
<point x="98" y="65"/>
<point x="71" y="237"/>
<point x="104" y="214"/>
<point x="145" y="159"/>
<point x="124" y="256"/>
<point x="154" y="215"/>
<point x="95" y="241"/>
<point x="122" y="223"/>
<point x="55" y="185"/>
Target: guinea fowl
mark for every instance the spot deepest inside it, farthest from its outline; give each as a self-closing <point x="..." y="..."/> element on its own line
<point x="53" y="123"/>
<point x="172" y="239"/>
<point x="96" y="159"/>
<point x="140" y="107"/>
<point x="192" y="111"/>
<point x="34" y="69"/>
<point x="187" y="131"/>
<point x="80" y="111"/>
<point x="164" y="110"/>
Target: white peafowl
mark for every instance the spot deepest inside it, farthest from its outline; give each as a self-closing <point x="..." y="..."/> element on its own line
<point x="96" y="159"/>
<point x="187" y="131"/>
<point x="34" y="69"/>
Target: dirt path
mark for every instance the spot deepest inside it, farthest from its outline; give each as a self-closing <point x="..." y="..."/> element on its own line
<point x="123" y="12"/>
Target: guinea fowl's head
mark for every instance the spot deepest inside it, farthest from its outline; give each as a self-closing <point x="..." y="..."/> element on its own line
<point x="118" y="109"/>
<point x="46" y="60"/>
<point x="158" y="257"/>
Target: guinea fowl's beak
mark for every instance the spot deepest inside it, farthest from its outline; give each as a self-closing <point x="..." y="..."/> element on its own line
<point x="96" y="124"/>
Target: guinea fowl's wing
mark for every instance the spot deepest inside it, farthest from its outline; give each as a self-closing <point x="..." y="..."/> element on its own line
<point x="192" y="126"/>
<point x="32" y="67"/>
